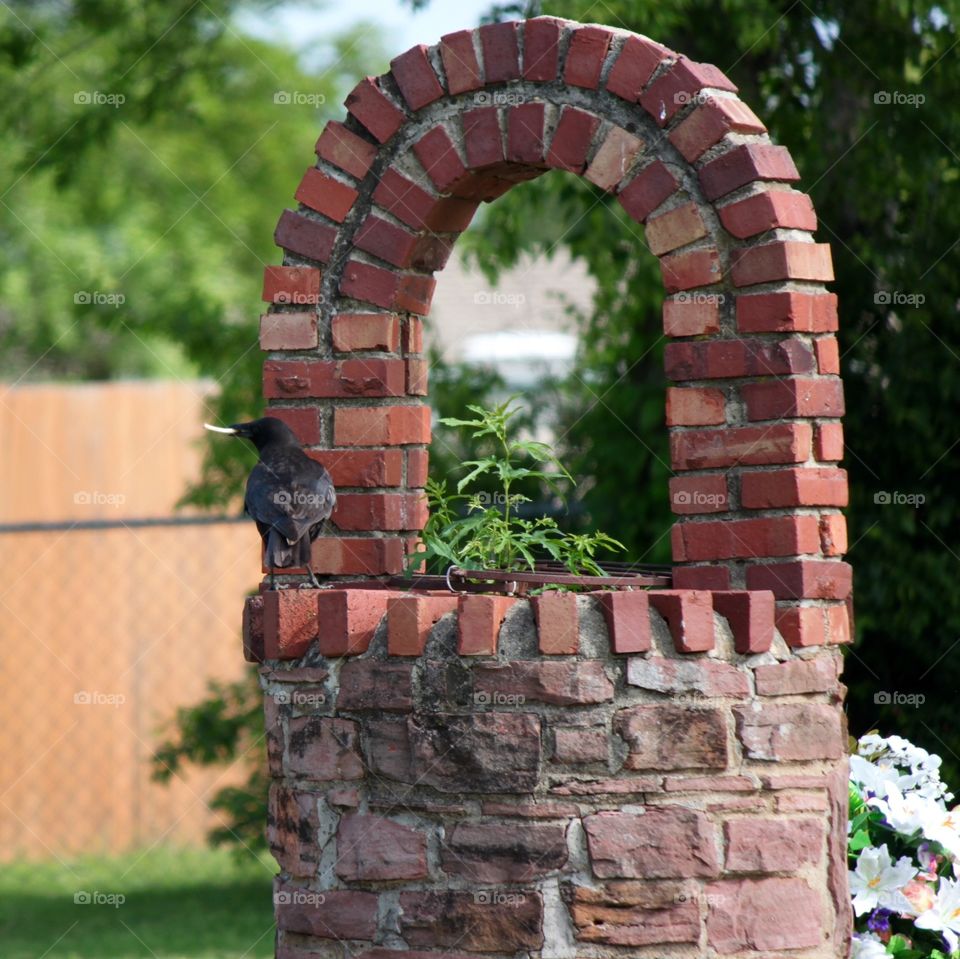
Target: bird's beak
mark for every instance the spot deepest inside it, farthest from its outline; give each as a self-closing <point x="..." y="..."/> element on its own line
<point x="232" y="430"/>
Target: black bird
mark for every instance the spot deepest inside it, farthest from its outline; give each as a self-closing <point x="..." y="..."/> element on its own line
<point x="288" y="494"/>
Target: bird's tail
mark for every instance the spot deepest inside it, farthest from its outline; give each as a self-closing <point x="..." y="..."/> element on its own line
<point x="279" y="553"/>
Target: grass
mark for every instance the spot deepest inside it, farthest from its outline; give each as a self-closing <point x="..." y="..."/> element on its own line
<point x="176" y="904"/>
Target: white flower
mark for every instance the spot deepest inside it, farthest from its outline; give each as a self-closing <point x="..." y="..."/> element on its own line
<point x="905" y="814"/>
<point x="866" y="946"/>
<point x="943" y="826"/>
<point x="945" y="915"/>
<point x="878" y="882"/>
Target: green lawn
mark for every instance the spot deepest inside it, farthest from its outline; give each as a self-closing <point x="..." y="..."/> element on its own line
<point x="194" y="904"/>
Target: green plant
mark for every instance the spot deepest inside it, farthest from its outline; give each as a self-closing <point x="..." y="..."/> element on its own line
<point x="492" y="534"/>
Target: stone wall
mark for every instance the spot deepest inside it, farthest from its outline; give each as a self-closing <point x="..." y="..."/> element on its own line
<point x="548" y="796"/>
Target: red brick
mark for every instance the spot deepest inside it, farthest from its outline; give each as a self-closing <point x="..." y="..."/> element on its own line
<point x="701" y="577"/>
<point x="635" y="64"/>
<point x="309" y="238"/>
<point x="529" y="810"/>
<point x="299" y="285"/>
<point x="404" y="199"/>
<point x="803" y="579"/>
<point x="370" y="376"/>
<point x="772" y="845"/>
<point x="695" y="406"/>
<point x="346" y="150"/>
<point x="501" y="51"/>
<point x="766" y="915"/>
<point x="818" y="675"/>
<point x="384" y="240"/>
<point x="744" y="446"/>
<point x="333" y="914"/>
<point x="627" y="615"/>
<point x="435" y="150"/>
<point x="572" y="139"/>
<point x="578" y="744"/>
<point x="797" y="396"/>
<point x="415" y="77"/>
<point x="369" y="685"/>
<point x="410" y="619"/>
<point x="802" y="625"/>
<point x="778" y="489"/>
<point x="613" y="159"/>
<point x="362" y="467"/>
<point x="555" y="682"/>
<point x="482" y="138"/>
<point x="689" y="614"/>
<point x="374" y="848"/>
<point x="367" y="103"/>
<point x="828" y="442"/>
<point x="325" y="194"/>
<point x="541" y="49"/>
<point x="687" y="271"/>
<point x="744" y="164"/>
<point x="585" y="55"/>
<point x="686" y="315"/>
<point x="647" y="190"/>
<point x="786" y="732"/>
<point x="751" y="618"/>
<point x="370" y="284"/>
<point x="450" y="214"/>
<point x="772" y="209"/>
<point x="417" y="467"/>
<point x="291" y="815"/>
<point x="478" y="623"/>
<point x="412" y="335"/>
<point x="676" y="228"/>
<point x="252" y="629"/>
<point x="288" y="331"/>
<point x="748" y="538"/>
<point x="787" y="312"/>
<point x="699" y="494"/>
<point x="710" y="123"/>
<point x="839" y="628"/>
<point x="415" y="293"/>
<point x="719" y="359"/>
<point x="417" y="376"/>
<point x="366" y="331"/>
<point x="689" y="678"/>
<point x="658" y="842"/>
<point x="460" y="62"/>
<point x="290" y="622"/>
<point x="381" y="425"/>
<point x="380" y="511"/>
<point x="349" y="617"/>
<point x="833" y="534"/>
<point x="782" y="260"/>
<point x="349" y="555"/>
<point x="558" y="627"/>
<point x="676" y="87"/>
<point x="828" y="355"/>
<point x="525" y="142"/>
<point x="486" y="852"/>
<point x="303" y="420"/>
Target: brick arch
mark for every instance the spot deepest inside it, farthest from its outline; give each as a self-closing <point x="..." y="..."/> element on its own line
<point x="754" y="399"/>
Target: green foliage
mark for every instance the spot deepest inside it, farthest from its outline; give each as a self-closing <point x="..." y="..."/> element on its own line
<point x="225" y="728"/>
<point x="492" y="535"/>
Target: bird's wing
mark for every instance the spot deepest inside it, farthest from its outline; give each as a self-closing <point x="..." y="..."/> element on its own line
<point x="290" y="494"/>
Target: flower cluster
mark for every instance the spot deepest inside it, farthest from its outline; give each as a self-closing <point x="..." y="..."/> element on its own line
<point x="904" y="847"/>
